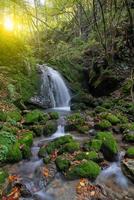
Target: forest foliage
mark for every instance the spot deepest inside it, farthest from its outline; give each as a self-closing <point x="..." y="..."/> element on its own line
<point x="61" y="33"/>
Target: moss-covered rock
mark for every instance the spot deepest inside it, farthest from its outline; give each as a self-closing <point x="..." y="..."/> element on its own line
<point x="62" y="164"/>
<point x="109" y="145"/>
<point x="54" y="115"/>
<point x="129" y="137"/>
<point x="3" y="116"/>
<point x="14" y="154"/>
<point x="70" y="147"/>
<point x="7" y="138"/>
<point x="95" y="145"/>
<point x="38" y="129"/>
<point x="26" y="138"/>
<point x="50" y="128"/>
<point x="127" y="126"/>
<point x="92" y="155"/>
<point x="26" y="152"/>
<point x="100" y="109"/>
<point x="3" y="153"/>
<point x="14" y="115"/>
<point x="58" y="143"/>
<point x="103" y="125"/>
<point x="10" y="128"/>
<point x="112" y="118"/>
<point x="35" y="116"/>
<point x="130" y="152"/>
<point x="3" y="176"/>
<point x="88" y="169"/>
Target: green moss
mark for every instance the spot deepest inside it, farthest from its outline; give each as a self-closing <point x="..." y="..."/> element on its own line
<point x="58" y="143"/>
<point x="26" y="152"/>
<point x="26" y="138"/>
<point x="62" y="164"/>
<point x="130" y="152"/>
<point x="108" y="104"/>
<point x="129" y="137"/>
<point x="100" y="109"/>
<point x="103" y="125"/>
<point x="95" y="145"/>
<point x="46" y="160"/>
<point x="3" y="116"/>
<point x="10" y="128"/>
<point x="14" y="154"/>
<point x="109" y="145"/>
<point x="42" y="152"/>
<point x="76" y="118"/>
<point x="3" y="153"/>
<point x="3" y="176"/>
<point x="50" y="128"/>
<point x="7" y="138"/>
<point x="70" y="147"/>
<point x="54" y="115"/>
<point x="88" y="169"/>
<point x="122" y="118"/>
<point x="92" y="155"/>
<point x="113" y="119"/>
<point x="127" y="126"/>
<point x="34" y="116"/>
<point x="14" y="115"/>
<point x="82" y="128"/>
<point x="38" y="129"/>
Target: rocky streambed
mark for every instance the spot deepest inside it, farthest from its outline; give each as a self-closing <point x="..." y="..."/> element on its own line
<point x="75" y="156"/>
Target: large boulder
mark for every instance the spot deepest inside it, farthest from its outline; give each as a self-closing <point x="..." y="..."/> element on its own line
<point x="86" y="169"/>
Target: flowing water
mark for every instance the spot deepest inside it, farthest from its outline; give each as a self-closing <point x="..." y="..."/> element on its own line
<point x="55" y="92"/>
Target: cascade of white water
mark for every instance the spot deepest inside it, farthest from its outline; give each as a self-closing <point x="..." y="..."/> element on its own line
<point x="53" y="92"/>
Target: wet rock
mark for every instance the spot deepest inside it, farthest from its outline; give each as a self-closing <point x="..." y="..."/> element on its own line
<point x="128" y="168"/>
<point x="92" y="132"/>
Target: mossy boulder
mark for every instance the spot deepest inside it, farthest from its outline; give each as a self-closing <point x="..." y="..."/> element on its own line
<point x="54" y="115"/>
<point x="62" y="164"/>
<point x="14" y="115"/>
<point x="3" y="116"/>
<point x="3" y="153"/>
<point x="103" y="125"/>
<point x="3" y="176"/>
<point x="35" y="116"/>
<point x="7" y="138"/>
<point x="112" y="119"/>
<point x="95" y="145"/>
<point x="26" y="152"/>
<point x="87" y="169"/>
<point x="100" y="109"/>
<point x="14" y="154"/>
<point x="91" y="155"/>
<point x="50" y="128"/>
<point x="74" y="121"/>
<point x="127" y="127"/>
<point x="70" y="147"/>
<point x="38" y="129"/>
<point x="26" y="138"/>
<point x="58" y="143"/>
<point x="130" y="152"/>
<point x="129" y="137"/>
<point x="10" y="128"/>
<point x="109" y="145"/>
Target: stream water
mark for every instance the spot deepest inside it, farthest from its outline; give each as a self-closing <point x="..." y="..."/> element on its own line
<point x="30" y="170"/>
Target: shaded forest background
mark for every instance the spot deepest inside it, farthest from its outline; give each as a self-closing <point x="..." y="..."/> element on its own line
<point x="89" y="41"/>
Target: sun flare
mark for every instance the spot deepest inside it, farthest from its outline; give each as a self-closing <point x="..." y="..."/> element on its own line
<point x="8" y="23"/>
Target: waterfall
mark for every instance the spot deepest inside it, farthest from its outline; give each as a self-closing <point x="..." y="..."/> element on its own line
<point x="53" y="91"/>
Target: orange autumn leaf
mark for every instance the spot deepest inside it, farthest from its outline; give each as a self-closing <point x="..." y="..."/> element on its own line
<point x="14" y="195"/>
<point x="12" y="178"/>
<point x="45" y="172"/>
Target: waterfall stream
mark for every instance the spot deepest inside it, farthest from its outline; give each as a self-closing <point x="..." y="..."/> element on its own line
<point x="53" y="92"/>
